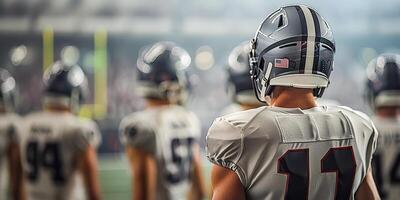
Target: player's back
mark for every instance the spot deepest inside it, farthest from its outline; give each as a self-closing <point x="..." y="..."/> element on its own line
<point x="168" y="133"/>
<point x="386" y="162"/>
<point x="279" y="153"/>
<point x="51" y="145"/>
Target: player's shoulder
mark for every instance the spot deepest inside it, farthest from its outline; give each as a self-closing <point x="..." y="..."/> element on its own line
<point x="67" y="121"/>
<point x="242" y="118"/>
<point x="188" y="114"/>
<point x="10" y="118"/>
<point x="231" y="126"/>
<point x="138" y="123"/>
<point x="87" y="123"/>
<point x="225" y="138"/>
<point x="352" y="114"/>
<point x="136" y="118"/>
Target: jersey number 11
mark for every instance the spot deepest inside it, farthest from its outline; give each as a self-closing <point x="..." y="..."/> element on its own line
<point x="295" y="164"/>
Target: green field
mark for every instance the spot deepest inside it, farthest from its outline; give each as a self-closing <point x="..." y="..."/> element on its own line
<point x="115" y="176"/>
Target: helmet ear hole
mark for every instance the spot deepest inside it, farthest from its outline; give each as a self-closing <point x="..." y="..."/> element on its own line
<point x="280" y="22"/>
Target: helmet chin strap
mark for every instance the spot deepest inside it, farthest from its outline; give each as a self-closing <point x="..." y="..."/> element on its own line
<point x="264" y="81"/>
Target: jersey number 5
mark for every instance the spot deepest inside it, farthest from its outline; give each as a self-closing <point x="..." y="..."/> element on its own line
<point x="182" y="163"/>
<point x="49" y="158"/>
<point x="295" y="164"/>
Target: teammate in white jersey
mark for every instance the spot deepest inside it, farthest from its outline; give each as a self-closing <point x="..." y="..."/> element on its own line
<point x="383" y="92"/>
<point x="239" y="85"/>
<point x="161" y="141"/>
<point x="57" y="145"/>
<point x="292" y="149"/>
<point x="10" y="164"/>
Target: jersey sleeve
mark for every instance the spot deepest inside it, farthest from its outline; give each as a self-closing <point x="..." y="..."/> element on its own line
<point x="82" y="138"/>
<point x="136" y="133"/>
<point x="366" y="134"/>
<point x="224" y="146"/>
<point x="372" y="144"/>
<point x="92" y="133"/>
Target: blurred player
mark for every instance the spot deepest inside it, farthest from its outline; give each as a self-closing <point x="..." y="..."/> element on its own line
<point x="293" y="149"/>
<point x="56" y="144"/>
<point x="161" y="141"/>
<point x="10" y="162"/>
<point x="383" y="89"/>
<point x="240" y="87"/>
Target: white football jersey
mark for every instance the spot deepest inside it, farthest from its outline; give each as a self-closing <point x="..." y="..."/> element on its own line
<point x="283" y="153"/>
<point x="386" y="162"/>
<point x="9" y="123"/>
<point x="51" y="143"/>
<point x="168" y="133"/>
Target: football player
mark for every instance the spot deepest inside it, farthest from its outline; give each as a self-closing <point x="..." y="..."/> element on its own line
<point x="57" y="146"/>
<point x="383" y="94"/>
<point x="239" y="86"/>
<point x="292" y="149"/>
<point x="10" y="162"/>
<point x="161" y="141"/>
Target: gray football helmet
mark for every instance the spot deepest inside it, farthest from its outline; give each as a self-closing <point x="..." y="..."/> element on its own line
<point x="240" y="87"/>
<point x="161" y="70"/>
<point x="383" y="81"/>
<point x="293" y="47"/>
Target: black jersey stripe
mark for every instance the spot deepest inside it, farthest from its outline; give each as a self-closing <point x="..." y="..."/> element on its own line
<point x="317" y="40"/>
<point x="303" y="51"/>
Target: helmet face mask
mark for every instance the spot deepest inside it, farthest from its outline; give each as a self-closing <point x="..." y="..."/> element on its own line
<point x="293" y="47"/>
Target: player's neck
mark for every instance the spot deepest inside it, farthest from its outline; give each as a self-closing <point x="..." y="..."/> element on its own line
<point x="287" y="97"/>
<point x="151" y="103"/>
<point x="389" y="112"/>
<point x="55" y="108"/>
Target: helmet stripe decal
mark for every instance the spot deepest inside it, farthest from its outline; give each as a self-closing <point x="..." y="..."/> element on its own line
<point x="317" y="39"/>
<point x="310" y="40"/>
<point x="304" y="32"/>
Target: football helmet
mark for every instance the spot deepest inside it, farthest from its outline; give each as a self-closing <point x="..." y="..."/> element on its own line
<point x="64" y="84"/>
<point x="161" y="72"/>
<point x="8" y="91"/>
<point x="240" y="87"/>
<point x="383" y="81"/>
<point x="293" y="47"/>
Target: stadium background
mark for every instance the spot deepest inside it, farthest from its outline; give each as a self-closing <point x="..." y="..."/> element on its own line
<point x="109" y="34"/>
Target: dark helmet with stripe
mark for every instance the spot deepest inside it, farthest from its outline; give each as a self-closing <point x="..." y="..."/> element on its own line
<point x="383" y="81"/>
<point x="293" y="47"/>
<point x="8" y="91"/>
<point x="239" y="83"/>
<point x="65" y="84"/>
<point x="161" y="72"/>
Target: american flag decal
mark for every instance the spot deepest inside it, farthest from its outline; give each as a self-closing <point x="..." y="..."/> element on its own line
<point x="282" y="63"/>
